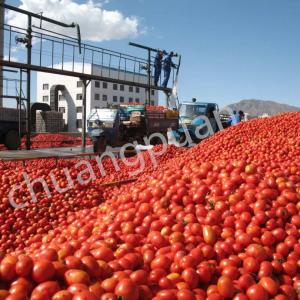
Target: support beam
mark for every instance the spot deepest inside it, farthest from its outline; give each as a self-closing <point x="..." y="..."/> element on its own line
<point x="85" y="83"/>
<point x="18" y="65"/>
<point x="1" y="49"/>
<point x="149" y="78"/>
<point x="28" y="89"/>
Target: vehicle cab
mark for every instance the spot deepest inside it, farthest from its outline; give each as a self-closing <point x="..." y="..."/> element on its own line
<point x="188" y="111"/>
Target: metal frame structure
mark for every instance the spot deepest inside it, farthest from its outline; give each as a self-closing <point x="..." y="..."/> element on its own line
<point x="34" y="38"/>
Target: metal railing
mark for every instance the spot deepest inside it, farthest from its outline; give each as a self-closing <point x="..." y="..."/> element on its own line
<point x="61" y="53"/>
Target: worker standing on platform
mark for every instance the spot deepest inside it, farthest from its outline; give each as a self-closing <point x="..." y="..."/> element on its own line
<point x="168" y="65"/>
<point x="157" y="66"/>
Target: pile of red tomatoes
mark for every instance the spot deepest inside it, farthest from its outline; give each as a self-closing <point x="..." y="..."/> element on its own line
<point x="51" y="140"/>
<point x="155" y="108"/>
<point x="218" y="221"/>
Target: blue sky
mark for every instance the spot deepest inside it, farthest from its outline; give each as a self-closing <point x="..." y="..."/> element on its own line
<point x="231" y="49"/>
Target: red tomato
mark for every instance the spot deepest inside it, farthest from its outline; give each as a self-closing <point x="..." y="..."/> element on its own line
<point x="62" y="295"/>
<point x="256" y="291"/>
<point x="76" y="276"/>
<point x="43" y="270"/>
<point x="270" y="285"/>
<point x="225" y="287"/>
<point x="127" y="289"/>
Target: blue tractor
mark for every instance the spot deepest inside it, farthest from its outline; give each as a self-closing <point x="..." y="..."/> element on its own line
<point x="191" y="118"/>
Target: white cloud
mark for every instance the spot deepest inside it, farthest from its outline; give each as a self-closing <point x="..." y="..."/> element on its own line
<point x="96" y="23"/>
<point x="12" y="58"/>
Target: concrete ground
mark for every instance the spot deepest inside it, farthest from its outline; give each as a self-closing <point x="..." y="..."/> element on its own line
<point x="44" y="153"/>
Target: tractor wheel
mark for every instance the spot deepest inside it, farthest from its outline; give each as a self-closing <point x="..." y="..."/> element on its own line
<point x="12" y="140"/>
<point x="183" y="140"/>
<point x="100" y="144"/>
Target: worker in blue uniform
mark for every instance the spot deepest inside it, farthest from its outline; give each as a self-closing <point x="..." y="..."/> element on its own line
<point x="234" y="119"/>
<point x="168" y="65"/>
<point x="157" y="66"/>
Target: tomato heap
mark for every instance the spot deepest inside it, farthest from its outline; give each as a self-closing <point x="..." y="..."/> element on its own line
<point x="51" y="140"/>
<point x="17" y="226"/>
<point x="218" y="221"/>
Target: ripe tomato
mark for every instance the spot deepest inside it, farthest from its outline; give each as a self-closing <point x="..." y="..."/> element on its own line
<point x="127" y="289"/>
<point x="270" y="285"/>
<point x="225" y="287"/>
<point x="256" y="291"/>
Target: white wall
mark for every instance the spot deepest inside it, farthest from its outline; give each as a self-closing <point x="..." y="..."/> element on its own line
<point x="68" y="96"/>
<point x="68" y="99"/>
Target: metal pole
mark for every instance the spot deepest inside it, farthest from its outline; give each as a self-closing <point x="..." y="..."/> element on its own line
<point x="149" y="76"/>
<point x="83" y="134"/>
<point x="19" y="103"/>
<point x="1" y="50"/>
<point x="28" y="46"/>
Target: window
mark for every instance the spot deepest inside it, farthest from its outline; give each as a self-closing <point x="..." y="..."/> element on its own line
<point x="97" y="96"/>
<point x="122" y="87"/>
<point x="79" y="109"/>
<point x="79" y="123"/>
<point x="104" y="97"/>
<point x="104" y="85"/>
<point x="79" y="83"/>
<point x="152" y="92"/>
<point x="137" y="89"/>
<point x="130" y="89"/>
<point x="97" y="107"/>
<point x="121" y="99"/>
<point x="62" y="110"/>
<point x="137" y="100"/>
<point x="152" y="102"/>
<point x="115" y="87"/>
<point x="130" y="100"/>
<point x="78" y="96"/>
<point x="97" y="84"/>
<point x="45" y="98"/>
<point x="45" y="86"/>
<point x="115" y="99"/>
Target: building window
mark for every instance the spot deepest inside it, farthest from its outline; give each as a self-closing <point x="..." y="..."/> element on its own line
<point x="137" y="100"/>
<point x="115" y="87"/>
<point x="97" y="84"/>
<point x="137" y="89"/>
<point x="45" y="86"/>
<point x="130" y="89"/>
<point x="79" y="109"/>
<point x="152" y="92"/>
<point x="152" y="102"/>
<point x="104" y="85"/>
<point x="78" y="96"/>
<point x="62" y="110"/>
<point x="115" y="99"/>
<point x="79" y="123"/>
<point x="97" y="96"/>
<point x="130" y="100"/>
<point x="45" y="98"/>
<point x="97" y="107"/>
<point x="122" y="87"/>
<point x="104" y="97"/>
<point x="79" y="83"/>
<point x="121" y="99"/>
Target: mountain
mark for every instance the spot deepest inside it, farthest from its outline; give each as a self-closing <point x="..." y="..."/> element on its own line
<point x="256" y="107"/>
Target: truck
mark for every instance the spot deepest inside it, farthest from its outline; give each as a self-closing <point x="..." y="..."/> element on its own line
<point x="125" y="124"/>
<point x="190" y="114"/>
<point x="9" y="127"/>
